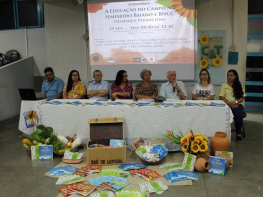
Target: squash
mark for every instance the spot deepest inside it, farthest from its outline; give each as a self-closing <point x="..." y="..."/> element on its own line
<point x="26" y="146"/>
<point x="27" y="141"/>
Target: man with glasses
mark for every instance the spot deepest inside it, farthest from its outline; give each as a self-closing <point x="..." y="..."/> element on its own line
<point x="98" y="88"/>
<point x="173" y="89"/>
<point x="52" y="87"/>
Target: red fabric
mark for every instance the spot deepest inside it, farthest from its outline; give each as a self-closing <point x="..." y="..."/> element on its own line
<point x="127" y="89"/>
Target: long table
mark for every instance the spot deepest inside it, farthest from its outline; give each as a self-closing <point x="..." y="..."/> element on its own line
<point x="143" y="121"/>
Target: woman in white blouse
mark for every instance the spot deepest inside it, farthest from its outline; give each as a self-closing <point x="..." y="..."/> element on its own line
<point x="203" y="90"/>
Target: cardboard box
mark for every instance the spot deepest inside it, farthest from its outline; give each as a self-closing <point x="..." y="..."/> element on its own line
<point x="42" y="152"/>
<point x="217" y="165"/>
<point x="101" y="131"/>
<point x="226" y="153"/>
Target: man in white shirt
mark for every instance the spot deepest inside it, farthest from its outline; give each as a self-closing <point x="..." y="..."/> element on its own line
<point x="98" y="88"/>
<point x="173" y="89"/>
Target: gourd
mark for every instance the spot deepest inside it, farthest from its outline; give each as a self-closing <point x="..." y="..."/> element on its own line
<point x="27" y="142"/>
<point x="26" y="146"/>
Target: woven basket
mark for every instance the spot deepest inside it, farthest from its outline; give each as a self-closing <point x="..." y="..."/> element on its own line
<point x="72" y="161"/>
<point x="152" y="162"/>
<point x="29" y="151"/>
<point x="62" y="154"/>
<point x="25" y="136"/>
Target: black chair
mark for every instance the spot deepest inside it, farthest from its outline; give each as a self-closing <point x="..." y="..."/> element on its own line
<point x="243" y="130"/>
<point x="12" y="55"/>
<point x="3" y="60"/>
<point x="132" y="94"/>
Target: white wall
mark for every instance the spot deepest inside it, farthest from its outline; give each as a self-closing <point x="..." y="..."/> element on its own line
<point x="66" y="49"/>
<point x="13" y="76"/>
<point x="65" y="26"/>
<point x="37" y="49"/>
<point x="217" y="15"/>
<point x="30" y="42"/>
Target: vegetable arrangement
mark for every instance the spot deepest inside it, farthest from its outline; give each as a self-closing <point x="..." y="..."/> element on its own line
<point x="58" y="147"/>
<point x="43" y="135"/>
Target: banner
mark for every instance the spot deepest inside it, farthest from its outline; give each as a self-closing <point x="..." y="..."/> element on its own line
<point x="142" y="32"/>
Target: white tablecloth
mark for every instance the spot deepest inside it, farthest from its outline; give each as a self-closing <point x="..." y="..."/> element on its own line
<point x="144" y="121"/>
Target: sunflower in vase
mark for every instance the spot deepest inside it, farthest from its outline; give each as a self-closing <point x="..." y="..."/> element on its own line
<point x="192" y="143"/>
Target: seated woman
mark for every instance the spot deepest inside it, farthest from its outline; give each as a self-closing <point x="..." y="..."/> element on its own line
<point x="233" y="93"/>
<point x="74" y="89"/>
<point x="121" y="88"/>
<point x="146" y="89"/>
<point x="203" y="90"/>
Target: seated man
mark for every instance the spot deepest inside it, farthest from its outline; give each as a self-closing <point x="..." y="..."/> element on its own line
<point x="52" y="87"/>
<point x="98" y="88"/>
<point x="173" y="89"/>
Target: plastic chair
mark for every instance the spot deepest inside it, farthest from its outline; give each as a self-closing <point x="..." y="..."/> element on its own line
<point x="12" y="55"/>
<point x="3" y="60"/>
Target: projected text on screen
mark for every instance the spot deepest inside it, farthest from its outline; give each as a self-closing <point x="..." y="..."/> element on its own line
<point x="141" y="32"/>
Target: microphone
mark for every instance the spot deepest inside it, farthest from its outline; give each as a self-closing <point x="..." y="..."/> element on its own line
<point x="173" y="88"/>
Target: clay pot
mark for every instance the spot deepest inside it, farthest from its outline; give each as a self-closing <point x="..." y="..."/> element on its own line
<point x="201" y="165"/>
<point x="204" y="155"/>
<point x="228" y="159"/>
<point x="219" y="142"/>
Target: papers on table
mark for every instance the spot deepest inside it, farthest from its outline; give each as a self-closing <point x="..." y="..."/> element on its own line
<point x="55" y="102"/>
<point x="140" y="103"/>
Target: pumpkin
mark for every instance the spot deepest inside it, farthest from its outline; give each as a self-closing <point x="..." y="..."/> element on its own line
<point x="27" y="141"/>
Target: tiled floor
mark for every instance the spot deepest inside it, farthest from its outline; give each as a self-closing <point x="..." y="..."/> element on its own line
<point x="19" y="176"/>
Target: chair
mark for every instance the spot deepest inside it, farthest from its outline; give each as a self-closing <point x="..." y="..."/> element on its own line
<point x="3" y="60"/>
<point x="243" y="128"/>
<point x="12" y="55"/>
<point x="132" y="94"/>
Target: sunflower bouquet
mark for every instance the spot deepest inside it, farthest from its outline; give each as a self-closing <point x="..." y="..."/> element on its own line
<point x="192" y="143"/>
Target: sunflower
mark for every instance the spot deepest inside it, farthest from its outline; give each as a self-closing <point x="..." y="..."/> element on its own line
<point x="190" y="137"/>
<point x="31" y="117"/>
<point x="93" y="8"/>
<point x="204" y="39"/>
<point x="184" y="140"/>
<point x="197" y="134"/>
<point x="203" y="63"/>
<point x="199" y="138"/>
<point x="203" y="147"/>
<point x="185" y="147"/>
<point x="195" y="142"/>
<point x="95" y="59"/>
<point x="217" y="62"/>
<point x="185" y="8"/>
<point x="205" y="138"/>
<point x="195" y="148"/>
